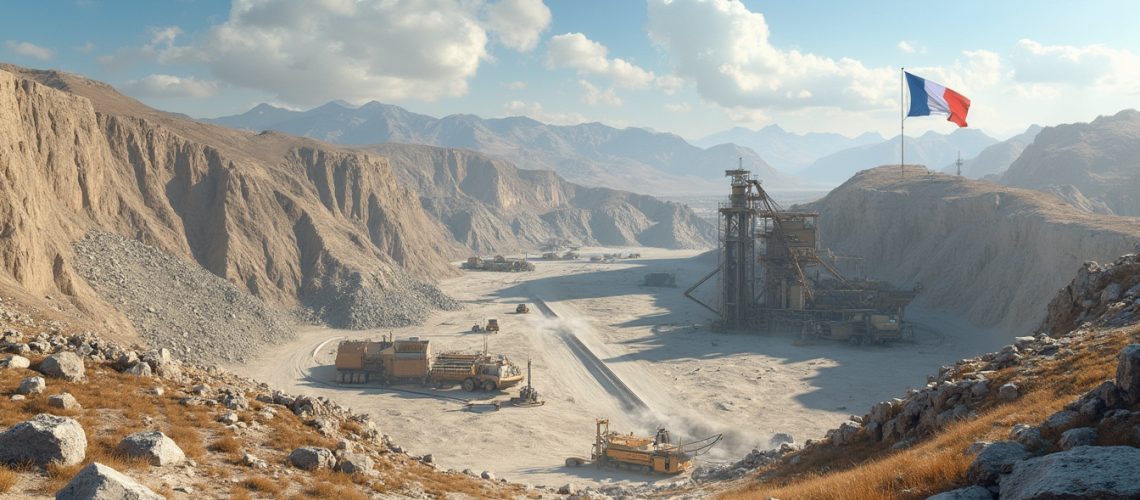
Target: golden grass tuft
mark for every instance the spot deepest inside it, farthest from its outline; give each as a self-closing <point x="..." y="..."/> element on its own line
<point x="8" y="479"/>
<point x="262" y="484"/>
<point x="226" y="444"/>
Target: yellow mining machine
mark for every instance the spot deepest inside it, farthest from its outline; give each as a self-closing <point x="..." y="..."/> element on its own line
<point x="644" y="453"/>
<point x="775" y="277"/>
<point x="390" y="361"/>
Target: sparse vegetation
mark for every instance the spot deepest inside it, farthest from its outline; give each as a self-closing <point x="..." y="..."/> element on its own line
<point x="8" y="479"/>
<point x="262" y="484"/>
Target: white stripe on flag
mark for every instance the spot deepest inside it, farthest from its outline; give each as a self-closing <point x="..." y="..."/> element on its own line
<point x="936" y="98"/>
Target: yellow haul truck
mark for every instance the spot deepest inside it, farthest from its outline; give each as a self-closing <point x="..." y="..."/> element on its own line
<point x="410" y="361"/>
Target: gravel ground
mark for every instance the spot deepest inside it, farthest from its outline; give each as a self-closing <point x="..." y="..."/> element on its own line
<point x="176" y="304"/>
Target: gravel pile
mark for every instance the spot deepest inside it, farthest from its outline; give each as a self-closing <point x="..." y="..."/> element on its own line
<point x="362" y="302"/>
<point x="177" y="305"/>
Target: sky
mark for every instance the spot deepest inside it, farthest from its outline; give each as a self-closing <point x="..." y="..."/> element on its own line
<point x="689" y="67"/>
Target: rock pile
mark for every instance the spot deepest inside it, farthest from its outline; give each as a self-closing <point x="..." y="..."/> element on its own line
<point x="360" y="301"/>
<point x="1107" y="295"/>
<point x="175" y="304"/>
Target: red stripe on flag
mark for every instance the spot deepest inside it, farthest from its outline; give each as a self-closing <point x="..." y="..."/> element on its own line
<point x="959" y="106"/>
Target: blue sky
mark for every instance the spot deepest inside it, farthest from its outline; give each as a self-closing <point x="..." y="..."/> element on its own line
<point x="692" y="67"/>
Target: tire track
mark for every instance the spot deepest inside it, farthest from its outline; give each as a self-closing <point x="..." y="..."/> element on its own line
<point x="605" y="377"/>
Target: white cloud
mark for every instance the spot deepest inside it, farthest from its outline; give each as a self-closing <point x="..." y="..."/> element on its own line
<point x="30" y="49"/>
<point x="681" y="107"/>
<point x="669" y="84"/>
<point x="724" y="49"/>
<point x="517" y="24"/>
<point x="515" y="85"/>
<point x="534" y="110"/>
<point x="169" y="86"/>
<point x="906" y="47"/>
<point x="592" y="95"/>
<point x="86" y="48"/>
<point x="1092" y="65"/>
<point x="574" y="50"/>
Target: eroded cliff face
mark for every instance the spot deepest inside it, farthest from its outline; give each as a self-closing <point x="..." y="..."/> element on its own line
<point x="290" y="220"/>
<point x="992" y="254"/>
<point x="490" y="206"/>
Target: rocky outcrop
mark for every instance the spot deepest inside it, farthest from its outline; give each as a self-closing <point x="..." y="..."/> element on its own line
<point x="43" y="440"/>
<point x="1085" y="472"/>
<point x="99" y="482"/>
<point x="987" y="253"/>
<point x="1103" y="295"/>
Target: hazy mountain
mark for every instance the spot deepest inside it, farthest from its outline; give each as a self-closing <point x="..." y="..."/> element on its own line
<point x="1096" y="164"/>
<point x="634" y="159"/>
<point x="995" y="159"/>
<point x="788" y="151"/>
<point x="931" y="149"/>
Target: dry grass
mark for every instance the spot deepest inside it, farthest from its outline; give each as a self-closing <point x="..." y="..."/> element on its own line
<point x="939" y="463"/>
<point x="262" y="484"/>
<point x="8" y="479"/>
<point x="226" y="444"/>
<point x="328" y="484"/>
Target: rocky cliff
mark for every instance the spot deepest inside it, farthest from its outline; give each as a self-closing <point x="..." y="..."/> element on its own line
<point x="292" y="221"/>
<point x="991" y="254"/>
<point x="489" y="205"/>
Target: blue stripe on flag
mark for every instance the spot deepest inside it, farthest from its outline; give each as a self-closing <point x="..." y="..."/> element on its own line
<point x="918" y="97"/>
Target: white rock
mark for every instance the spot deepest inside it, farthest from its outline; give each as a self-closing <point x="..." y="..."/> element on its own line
<point x="44" y="439"/>
<point x="154" y="446"/>
<point x="99" y="482"/>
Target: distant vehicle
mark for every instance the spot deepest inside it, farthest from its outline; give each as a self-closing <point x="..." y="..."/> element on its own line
<point x="498" y="264"/>
<point x="411" y="361"/>
<point x="647" y="454"/>
<point x="522" y="309"/>
<point x="492" y="325"/>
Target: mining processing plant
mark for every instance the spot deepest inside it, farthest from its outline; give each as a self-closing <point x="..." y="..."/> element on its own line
<point x="775" y="278"/>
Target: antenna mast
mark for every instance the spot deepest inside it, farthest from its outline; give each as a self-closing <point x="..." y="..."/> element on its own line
<point x="959" y="163"/>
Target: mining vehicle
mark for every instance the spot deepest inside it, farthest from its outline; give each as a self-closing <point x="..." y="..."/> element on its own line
<point x="648" y="454"/>
<point x="522" y="309"/>
<point x="410" y="361"/>
<point x="498" y="264"/>
<point x="492" y="325"/>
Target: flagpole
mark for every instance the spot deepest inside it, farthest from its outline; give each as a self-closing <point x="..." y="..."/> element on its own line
<point x="902" y="122"/>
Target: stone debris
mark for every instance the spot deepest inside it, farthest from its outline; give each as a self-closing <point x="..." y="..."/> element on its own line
<point x="44" y="440"/>
<point x="64" y="401"/>
<point x="99" y="482"/>
<point x="153" y="446"/>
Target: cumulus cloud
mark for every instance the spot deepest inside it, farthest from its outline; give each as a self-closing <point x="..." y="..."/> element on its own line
<point x="518" y="24"/>
<point x="534" y="110"/>
<point x="593" y="95"/>
<point x="1093" y="65"/>
<point x="575" y="50"/>
<point x="906" y="47"/>
<point x="30" y="49"/>
<point x="169" y="86"/>
<point x="680" y="107"/>
<point x="724" y="49"/>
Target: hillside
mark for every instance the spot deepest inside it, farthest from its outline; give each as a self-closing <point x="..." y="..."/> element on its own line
<point x="983" y="252"/>
<point x="995" y="159"/>
<point x="931" y="149"/>
<point x="788" y="151"/>
<point x="631" y="159"/>
<point x="489" y="205"/>
<point x="1098" y="162"/>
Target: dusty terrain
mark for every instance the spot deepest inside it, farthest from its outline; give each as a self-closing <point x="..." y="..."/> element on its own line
<point x="694" y="381"/>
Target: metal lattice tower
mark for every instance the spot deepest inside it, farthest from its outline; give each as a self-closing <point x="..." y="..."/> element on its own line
<point x="738" y="252"/>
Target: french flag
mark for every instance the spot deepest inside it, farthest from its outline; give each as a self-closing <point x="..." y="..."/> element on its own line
<point x="927" y="97"/>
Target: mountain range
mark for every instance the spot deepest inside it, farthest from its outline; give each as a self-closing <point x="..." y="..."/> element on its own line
<point x="788" y="151"/>
<point x="995" y="159"/>
<point x="931" y="149"/>
<point x="594" y="154"/>
<point x="1092" y="165"/>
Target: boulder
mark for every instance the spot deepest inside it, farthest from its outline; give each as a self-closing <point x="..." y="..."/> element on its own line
<point x="488" y="475"/>
<point x="43" y="440"/>
<point x="139" y="369"/>
<point x="1107" y="472"/>
<point x="1081" y="436"/>
<point x="228" y="418"/>
<point x="1060" y="422"/>
<point x="1008" y="392"/>
<point x="844" y="434"/>
<point x="32" y="385"/>
<point x="63" y="401"/>
<point x="252" y="461"/>
<point x="1128" y="373"/>
<point x="99" y="482"/>
<point x="967" y="493"/>
<point x="15" y="361"/>
<point x="1029" y="437"/>
<point x="153" y="446"/>
<point x="64" y="364"/>
<point x="993" y="460"/>
<point x="312" y="458"/>
<point x="354" y="463"/>
<point x="980" y="389"/>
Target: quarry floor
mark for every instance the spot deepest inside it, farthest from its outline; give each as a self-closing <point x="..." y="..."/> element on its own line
<point x="695" y="381"/>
